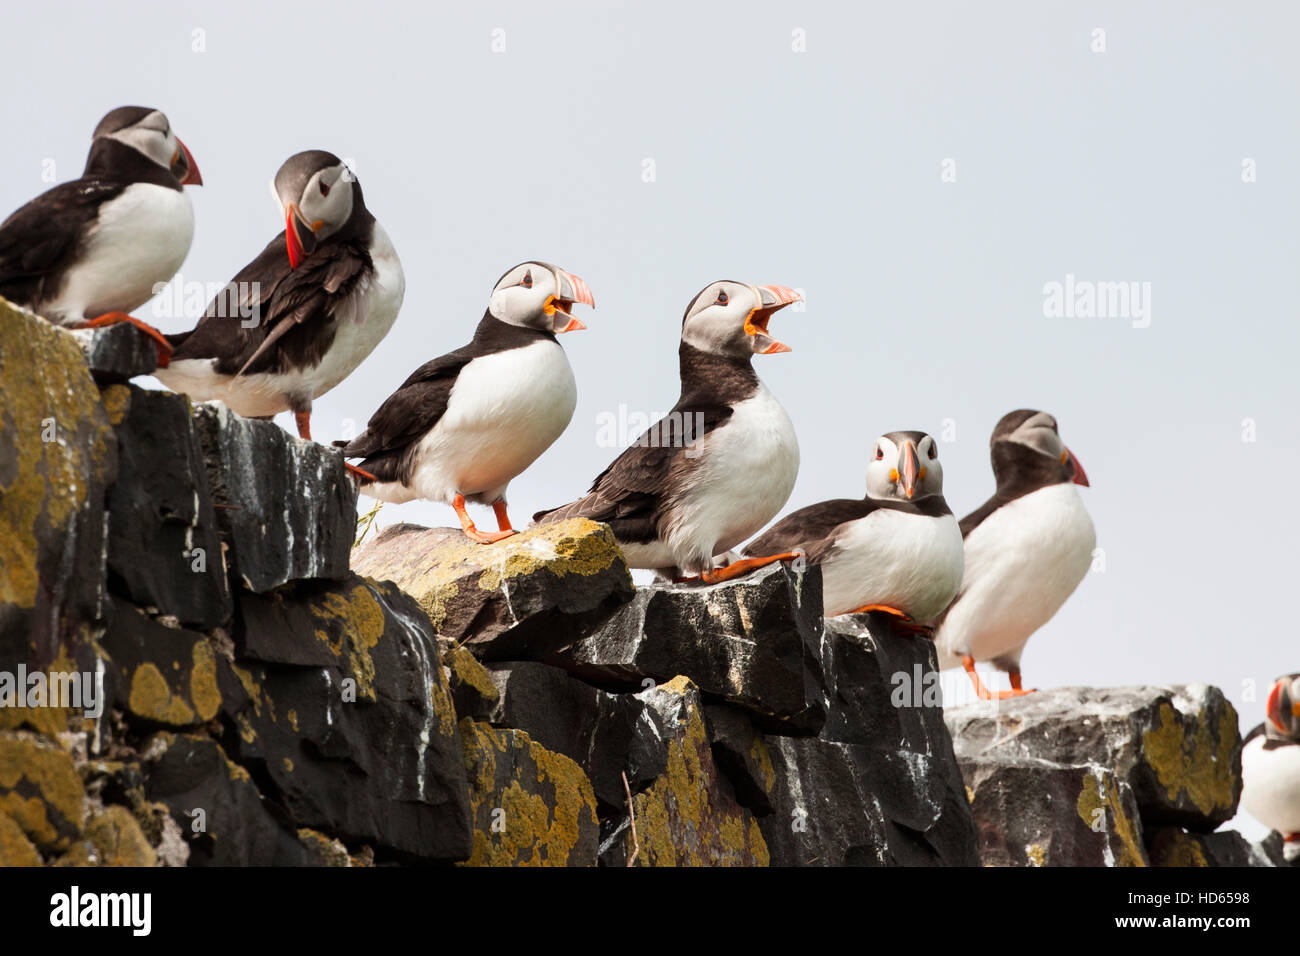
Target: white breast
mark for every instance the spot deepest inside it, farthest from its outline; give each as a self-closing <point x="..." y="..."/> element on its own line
<point x="905" y="561"/>
<point x="504" y="411"/>
<point x="742" y="476"/>
<point x="1271" y="785"/>
<point x="362" y="320"/>
<point x="1022" y="563"/>
<point x="138" y="241"/>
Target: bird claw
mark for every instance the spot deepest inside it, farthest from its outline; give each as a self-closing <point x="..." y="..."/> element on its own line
<point x="488" y="537"/>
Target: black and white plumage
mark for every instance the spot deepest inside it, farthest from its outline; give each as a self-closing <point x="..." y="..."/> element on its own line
<point x="301" y="317"/>
<point x="464" y="425"/>
<point x="722" y="463"/>
<point x="100" y="245"/>
<point x="1026" y="549"/>
<point x="898" y="549"/>
<point x="1270" y="765"/>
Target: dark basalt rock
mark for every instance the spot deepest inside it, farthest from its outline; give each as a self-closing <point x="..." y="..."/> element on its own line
<point x="1177" y="748"/>
<point x="755" y="642"/>
<point x="163" y="548"/>
<point x="880" y="785"/>
<point x="286" y="507"/>
<point x="1032" y="814"/>
<point x="472" y="690"/>
<point x="1172" y="846"/>
<point x="606" y="734"/>
<point x="345" y="716"/>
<point x="517" y="599"/>
<point x="839" y="804"/>
<point x="58" y="454"/>
<point x="117" y="353"/>
<point x="161" y="675"/>
<point x="233" y="825"/>
<point x="689" y="815"/>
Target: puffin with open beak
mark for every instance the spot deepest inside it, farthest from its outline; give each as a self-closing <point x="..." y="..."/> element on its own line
<point x="464" y="425"/>
<point x="87" y="252"/>
<point x="721" y="464"/>
<point x="1270" y="766"/>
<point x="1027" y="548"/>
<point x="301" y="317"/>
<point x="898" y="551"/>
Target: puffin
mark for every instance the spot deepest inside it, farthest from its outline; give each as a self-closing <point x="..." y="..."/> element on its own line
<point x="716" y="468"/>
<point x="1270" y="766"/>
<point x="1026" y="549"/>
<point x="300" y="317"/>
<point x="87" y="252"/>
<point x="464" y="425"/>
<point x="897" y="551"/>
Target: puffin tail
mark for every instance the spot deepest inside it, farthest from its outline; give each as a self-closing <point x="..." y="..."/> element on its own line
<point x="573" y="509"/>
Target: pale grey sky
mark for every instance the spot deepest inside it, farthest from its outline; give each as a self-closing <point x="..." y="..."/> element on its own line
<point x="821" y="170"/>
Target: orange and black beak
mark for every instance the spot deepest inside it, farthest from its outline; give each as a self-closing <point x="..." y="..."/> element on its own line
<point x="1274" y="709"/>
<point x="1283" y="708"/>
<point x="1080" y="476"/>
<point x="772" y="298"/>
<point x="293" y="238"/>
<point x="909" y="468"/>
<point x="184" y="168"/>
<point x="571" y="289"/>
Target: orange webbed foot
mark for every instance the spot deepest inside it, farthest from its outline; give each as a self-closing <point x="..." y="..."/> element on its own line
<point x="744" y="566"/>
<point x="473" y="533"/>
<point x="164" y="347"/>
<point x="983" y="693"/>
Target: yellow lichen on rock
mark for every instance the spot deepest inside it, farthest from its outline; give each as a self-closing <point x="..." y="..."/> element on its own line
<point x="41" y="790"/>
<point x="1099" y="799"/>
<point x="113" y="838"/>
<point x="15" y="848"/>
<point x="529" y="806"/>
<point x="1198" y="764"/>
<point x="47" y="399"/>
<point x="350" y="624"/>
<point x="678" y="821"/>
<point x="152" y="698"/>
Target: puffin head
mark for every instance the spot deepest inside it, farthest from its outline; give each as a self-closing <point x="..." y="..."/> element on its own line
<point x="1284" y="707"/>
<point x="1036" y="431"/>
<point x="538" y="295"/>
<point x="148" y="132"/>
<point x="904" y="466"/>
<point x="730" y="318"/>
<point x="318" y="193"/>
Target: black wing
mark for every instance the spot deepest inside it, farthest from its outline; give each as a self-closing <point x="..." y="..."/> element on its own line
<point x="976" y="517"/>
<point x="44" y="237"/>
<point x="810" y="529"/>
<point x="630" y="494"/>
<point x="271" y="317"/>
<point x="406" y="416"/>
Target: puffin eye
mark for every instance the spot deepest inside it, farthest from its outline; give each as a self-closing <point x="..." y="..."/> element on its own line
<point x="879" y="454"/>
<point x="722" y="298"/>
<point x="934" y="452"/>
<point x="528" y="280"/>
<point x="324" y="190"/>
